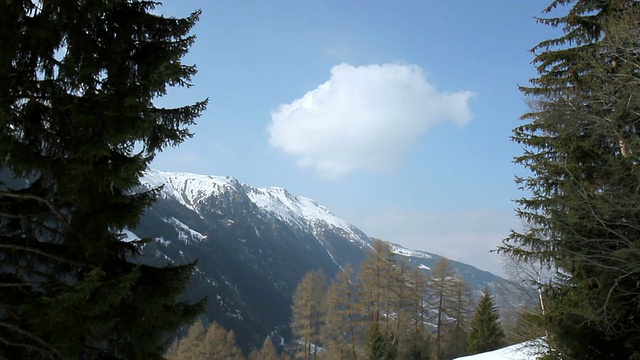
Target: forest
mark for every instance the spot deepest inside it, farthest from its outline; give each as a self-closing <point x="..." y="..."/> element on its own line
<point x="80" y="123"/>
<point x="385" y="309"/>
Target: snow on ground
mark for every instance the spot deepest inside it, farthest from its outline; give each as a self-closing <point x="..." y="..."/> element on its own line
<point x="523" y="351"/>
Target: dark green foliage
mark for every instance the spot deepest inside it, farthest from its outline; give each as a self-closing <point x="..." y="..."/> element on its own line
<point x="581" y="144"/>
<point x="417" y="347"/>
<point x="455" y="343"/>
<point x="485" y="332"/>
<point x="77" y="128"/>
<point x="379" y="348"/>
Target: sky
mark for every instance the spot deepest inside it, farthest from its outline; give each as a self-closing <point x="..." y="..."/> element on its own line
<point x="395" y="115"/>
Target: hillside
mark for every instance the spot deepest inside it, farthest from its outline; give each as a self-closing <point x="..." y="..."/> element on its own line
<point x="253" y="245"/>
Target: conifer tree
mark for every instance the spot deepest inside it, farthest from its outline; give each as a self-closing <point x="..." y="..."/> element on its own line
<point x="417" y="297"/>
<point x="308" y="313"/>
<point x="377" y="347"/>
<point x="403" y="305"/>
<point x="220" y="344"/>
<point x="581" y="145"/>
<point x="416" y="343"/>
<point x="78" y="126"/>
<point x="393" y="298"/>
<point x="455" y="341"/>
<point x="380" y="284"/>
<point x="267" y="352"/>
<point x="442" y="282"/>
<point x="486" y="332"/>
<point x="376" y="276"/>
<point x="202" y="343"/>
<point x="417" y="346"/>
<point x="341" y="330"/>
<point x="172" y="351"/>
<point x="191" y="347"/>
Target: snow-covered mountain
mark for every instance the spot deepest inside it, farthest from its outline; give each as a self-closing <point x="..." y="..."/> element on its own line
<point x="193" y="191"/>
<point x="189" y="189"/>
<point x="253" y="245"/>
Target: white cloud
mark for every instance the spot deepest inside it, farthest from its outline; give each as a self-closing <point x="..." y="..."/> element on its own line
<point x="466" y="235"/>
<point x="364" y="117"/>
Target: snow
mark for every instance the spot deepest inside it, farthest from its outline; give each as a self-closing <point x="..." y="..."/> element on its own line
<point x="129" y="236"/>
<point x="296" y="210"/>
<point x="189" y="189"/>
<point x="162" y="241"/>
<point x="161" y="254"/>
<point x="300" y="211"/>
<point x="524" y="351"/>
<point x="184" y="232"/>
<point x="397" y="249"/>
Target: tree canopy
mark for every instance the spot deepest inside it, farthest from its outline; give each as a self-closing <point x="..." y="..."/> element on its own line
<point x="78" y="126"/>
<point x="581" y="146"/>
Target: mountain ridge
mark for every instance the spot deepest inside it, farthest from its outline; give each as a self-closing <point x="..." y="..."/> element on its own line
<point x="254" y="245"/>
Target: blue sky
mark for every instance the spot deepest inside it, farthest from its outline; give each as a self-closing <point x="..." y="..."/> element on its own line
<point x="396" y="115"/>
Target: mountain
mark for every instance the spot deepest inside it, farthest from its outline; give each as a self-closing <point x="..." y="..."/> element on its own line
<point x="253" y="245"/>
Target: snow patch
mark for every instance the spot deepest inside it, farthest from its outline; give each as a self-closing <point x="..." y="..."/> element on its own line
<point x="185" y="233"/>
<point x="163" y="255"/>
<point x="397" y="249"/>
<point x="162" y="241"/>
<point x="529" y="350"/>
<point x="129" y="236"/>
<point x="188" y="189"/>
<point x="237" y="314"/>
<point x="296" y="210"/>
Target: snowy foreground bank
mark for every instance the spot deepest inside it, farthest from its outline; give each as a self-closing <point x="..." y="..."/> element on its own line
<point x="523" y="351"/>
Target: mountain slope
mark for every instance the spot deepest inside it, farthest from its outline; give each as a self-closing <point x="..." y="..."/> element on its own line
<point x="254" y="245"/>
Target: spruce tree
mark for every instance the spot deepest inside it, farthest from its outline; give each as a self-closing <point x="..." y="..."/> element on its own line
<point x="417" y="346"/>
<point x="377" y="347"/>
<point x="78" y="126"/>
<point x="581" y="145"/>
<point x="485" y="332"/>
